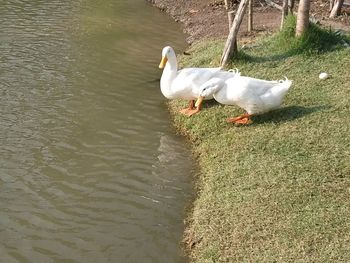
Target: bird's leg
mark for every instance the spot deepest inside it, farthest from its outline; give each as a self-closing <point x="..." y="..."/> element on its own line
<point x="190" y="107"/>
<point x="242" y="119"/>
<point x="197" y="108"/>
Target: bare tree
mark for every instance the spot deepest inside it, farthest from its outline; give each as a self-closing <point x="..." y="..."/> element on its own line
<point x="336" y="8"/>
<point x="291" y="6"/>
<point x="226" y="4"/>
<point x="229" y="49"/>
<point x="231" y="17"/>
<point x="250" y="15"/>
<point x="284" y="11"/>
<point x="303" y="17"/>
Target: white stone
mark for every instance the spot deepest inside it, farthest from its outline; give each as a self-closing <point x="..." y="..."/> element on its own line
<point x="323" y="75"/>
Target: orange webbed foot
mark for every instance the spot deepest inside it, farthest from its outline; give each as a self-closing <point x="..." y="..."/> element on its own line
<point x="184" y="111"/>
<point x="192" y="112"/>
<point x="190" y="108"/>
<point x="243" y="119"/>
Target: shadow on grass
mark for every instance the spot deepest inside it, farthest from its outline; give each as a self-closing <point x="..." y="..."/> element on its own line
<point x="286" y="114"/>
<point x="262" y="59"/>
<point x="284" y="44"/>
<point x="210" y="103"/>
<point x="279" y="56"/>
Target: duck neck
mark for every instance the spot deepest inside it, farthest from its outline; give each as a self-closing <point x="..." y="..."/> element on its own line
<point x="169" y="74"/>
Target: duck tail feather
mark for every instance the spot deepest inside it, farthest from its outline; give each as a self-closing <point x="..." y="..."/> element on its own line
<point x="285" y="82"/>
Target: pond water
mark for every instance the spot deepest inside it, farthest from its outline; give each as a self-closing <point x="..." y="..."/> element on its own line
<point x="90" y="168"/>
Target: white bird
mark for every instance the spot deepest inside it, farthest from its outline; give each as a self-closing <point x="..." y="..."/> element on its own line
<point x="256" y="96"/>
<point x="186" y="83"/>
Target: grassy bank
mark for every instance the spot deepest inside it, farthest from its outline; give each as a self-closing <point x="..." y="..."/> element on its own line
<point x="277" y="190"/>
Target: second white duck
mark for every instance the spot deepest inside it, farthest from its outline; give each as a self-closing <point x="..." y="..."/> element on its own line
<point x="256" y="96"/>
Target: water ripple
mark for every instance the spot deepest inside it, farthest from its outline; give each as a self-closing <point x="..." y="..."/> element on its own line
<point x="90" y="170"/>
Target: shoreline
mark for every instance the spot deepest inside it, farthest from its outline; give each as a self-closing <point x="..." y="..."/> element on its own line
<point x="187" y="13"/>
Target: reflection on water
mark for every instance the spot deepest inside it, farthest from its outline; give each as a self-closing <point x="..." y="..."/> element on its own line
<point x="90" y="170"/>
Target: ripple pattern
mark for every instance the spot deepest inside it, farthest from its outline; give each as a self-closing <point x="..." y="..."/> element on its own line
<point x="89" y="170"/>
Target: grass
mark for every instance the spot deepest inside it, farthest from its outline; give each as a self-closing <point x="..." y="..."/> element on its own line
<point x="277" y="190"/>
<point x="317" y="39"/>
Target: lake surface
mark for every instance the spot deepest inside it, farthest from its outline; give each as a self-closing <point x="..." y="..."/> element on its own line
<point x="90" y="168"/>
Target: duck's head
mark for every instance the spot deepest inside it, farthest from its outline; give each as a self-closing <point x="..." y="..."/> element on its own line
<point x="206" y="91"/>
<point x="209" y="88"/>
<point x="167" y="52"/>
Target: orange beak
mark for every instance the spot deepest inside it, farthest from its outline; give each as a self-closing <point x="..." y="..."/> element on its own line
<point x="163" y="62"/>
<point x="199" y="101"/>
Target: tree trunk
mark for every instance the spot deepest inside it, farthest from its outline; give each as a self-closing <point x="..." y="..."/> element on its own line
<point x="231" y="16"/>
<point x="273" y="4"/>
<point x="331" y="4"/>
<point x="226" y="4"/>
<point x="303" y="17"/>
<point x="284" y="12"/>
<point x="250" y="16"/>
<point x="291" y="6"/>
<point x="229" y="49"/>
<point x="336" y="8"/>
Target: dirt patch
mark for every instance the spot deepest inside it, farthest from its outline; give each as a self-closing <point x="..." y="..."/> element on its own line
<point x="320" y="12"/>
<point x="208" y="18"/>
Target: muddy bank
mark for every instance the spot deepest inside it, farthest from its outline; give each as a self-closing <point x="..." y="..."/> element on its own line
<point x="208" y="18"/>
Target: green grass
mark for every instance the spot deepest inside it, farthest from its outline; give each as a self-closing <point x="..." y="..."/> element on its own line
<point x="277" y="190"/>
<point x="317" y="39"/>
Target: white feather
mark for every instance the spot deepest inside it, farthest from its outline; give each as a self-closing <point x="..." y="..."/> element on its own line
<point x="186" y="83"/>
<point x="256" y="96"/>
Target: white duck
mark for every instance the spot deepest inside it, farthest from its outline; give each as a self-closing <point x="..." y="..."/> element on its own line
<point x="186" y="83"/>
<point x="256" y="96"/>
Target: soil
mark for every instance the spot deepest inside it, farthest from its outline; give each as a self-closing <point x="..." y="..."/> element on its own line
<point x="208" y="18"/>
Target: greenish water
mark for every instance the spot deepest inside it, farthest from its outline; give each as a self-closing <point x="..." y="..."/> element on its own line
<point x="90" y="169"/>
